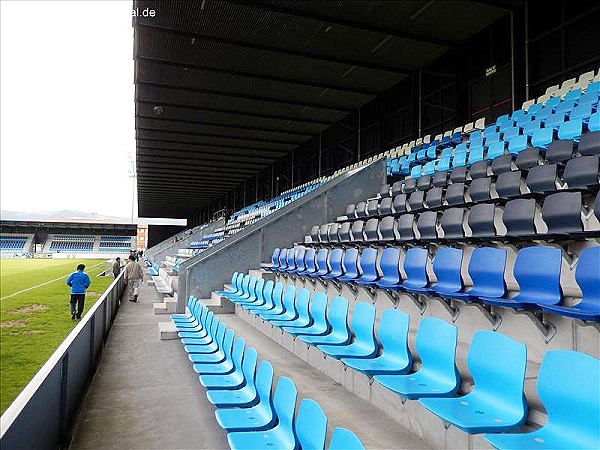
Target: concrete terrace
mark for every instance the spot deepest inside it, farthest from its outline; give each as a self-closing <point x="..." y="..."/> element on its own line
<point x="145" y="393"/>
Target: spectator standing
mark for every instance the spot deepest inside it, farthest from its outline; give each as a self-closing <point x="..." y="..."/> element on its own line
<point x="116" y="267"/>
<point x="78" y="282"/>
<point x="132" y="275"/>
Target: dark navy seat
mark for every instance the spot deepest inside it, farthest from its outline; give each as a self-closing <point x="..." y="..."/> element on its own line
<point x="438" y="376"/>
<point x="497" y="403"/>
<point x="583" y="173"/>
<point x="569" y="389"/>
<point x="344" y="232"/>
<point x="519" y="217"/>
<point x="387" y="229"/>
<point x="562" y="213"/>
<point x="405" y="228"/>
<point x="452" y="224"/>
<point x="482" y="221"/>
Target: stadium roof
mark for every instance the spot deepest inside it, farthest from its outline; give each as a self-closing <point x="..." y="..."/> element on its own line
<point x="225" y="88"/>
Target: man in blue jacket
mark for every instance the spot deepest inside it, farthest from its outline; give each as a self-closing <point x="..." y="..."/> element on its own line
<point x="78" y="281"/>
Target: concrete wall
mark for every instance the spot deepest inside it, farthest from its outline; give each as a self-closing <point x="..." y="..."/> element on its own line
<point x="246" y="250"/>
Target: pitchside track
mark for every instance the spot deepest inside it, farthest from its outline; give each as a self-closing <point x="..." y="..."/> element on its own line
<point x="34" y="315"/>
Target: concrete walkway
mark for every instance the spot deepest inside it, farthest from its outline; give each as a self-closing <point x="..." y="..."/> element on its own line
<point x="145" y="393"/>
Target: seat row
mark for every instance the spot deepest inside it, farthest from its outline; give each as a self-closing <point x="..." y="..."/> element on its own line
<point x="242" y="393"/>
<point x="537" y="270"/>
<point x="562" y="215"/>
<point x="495" y="405"/>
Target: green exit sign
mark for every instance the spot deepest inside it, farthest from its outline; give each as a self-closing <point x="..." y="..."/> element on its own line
<point x="490" y="70"/>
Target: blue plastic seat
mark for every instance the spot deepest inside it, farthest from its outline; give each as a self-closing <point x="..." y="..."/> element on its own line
<point x="271" y="293"/>
<point x="309" y="262"/>
<point x="510" y="132"/>
<point x="282" y="260"/>
<point x="343" y="439"/>
<point x="497" y="402"/>
<point x="415" y="172"/>
<point x="594" y="122"/>
<point x="335" y="262"/>
<point x="587" y="275"/>
<point x="225" y="344"/>
<point x="368" y="266"/>
<point x="281" y="436"/>
<point x="338" y="333"/>
<point x="363" y="327"/>
<point x="264" y="299"/>
<point x="322" y="267"/>
<point x="318" y="324"/>
<point x="310" y="425"/>
<point x="486" y="269"/>
<point x="415" y="266"/>
<point x="197" y="312"/>
<point x="205" y="335"/>
<point x="432" y="151"/>
<point x="275" y="259"/>
<point x="234" y="283"/>
<point x="240" y="396"/>
<point x="293" y="309"/>
<point x="350" y="263"/>
<point x="571" y="130"/>
<point x="447" y="268"/>
<point x="225" y="367"/>
<point x="517" y="144"/>
<point x="531" y="127"/>
<point x="476" y="153"/>
<point x="390" y="269"/>
<point x="534" y="109"/>
<point x="542" y="138"/>
<point x="245" y="363"/>
<point x="256" y="295"/>
<point x="429" y="168"/>
<point x="290" y="260"/>
<point x="395" y="167"/>
<point x="259" y="416"/>
<point x="393" y="337"/>
<point x="459" y="159"/>
<point x="279" y="307"/>
<point x="242" y="291"/>
<point x="537" y="271"/>
<point x="568" y="385"/>
<point x="443" y="164"/>
<point x="582" y="112"/>
<point x="438" y="376"/>
<point x="495" y="149"/>
<point x="211" y="343"/>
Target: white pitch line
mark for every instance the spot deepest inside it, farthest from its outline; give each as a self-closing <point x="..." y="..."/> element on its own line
<point x="40" y="285"/>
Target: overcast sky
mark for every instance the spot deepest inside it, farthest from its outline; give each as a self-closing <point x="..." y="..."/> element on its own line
<point x="67" y="106"/>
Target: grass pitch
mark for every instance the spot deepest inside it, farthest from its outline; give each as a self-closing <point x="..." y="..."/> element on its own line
<point x="34" y="322"/>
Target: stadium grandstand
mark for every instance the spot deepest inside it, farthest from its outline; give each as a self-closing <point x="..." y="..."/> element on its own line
<point x="393" y="234"/>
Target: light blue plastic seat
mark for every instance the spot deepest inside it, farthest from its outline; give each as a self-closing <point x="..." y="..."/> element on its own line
<point x="510" y="132"/>
<point x="225" y="367"/>
<point x="292" y="305"/>
<point x="476" y="153"/>
<point x="497" y="402"/>
<point x="582" y="112"/>
<point x="571" y="130"/>
<point x="338" y="333"/>
<point x="573" y="95"/>
<point x="310" y="425"/>
<point x="412" y="157"/>
<point x="569" y="387"/>
<point x="236" y="283"/>
<point x="279" y="307"/>
<point x="245" y="363"/>
<point x="490" y="129"/>
<point x="390" y="268"/>
<point x="393" y="337"/>
<point x="205" y="335"/>
<point x="395" y="167"/>
<point x="432" y="151"/>
<point x="335" y="262"/>
<point x="594" y="122"/>
<point x="197" y="312"/>
<point x="531" y="127"/>
<point x="256" y="296"/>
<point x="429" y="168"/>
<point x="368" y="266"/>
<point x="259" y="416"/>
<point x="343" y="439"/>
<point x="220" y="355"/>
<point x="554" y="120"/>
<point x="587" y="275"/>
<point x="491" y="138"/>
<point x="443" y="164"/>
<point x="537" y="271"/>
<point x="486" y="269"/>
<point x="245" y="294"/>
<point x="363" y="327"/>
<point x="270" y="292"/>
<point x="242" y="396"/>
<point x="552" y="103"/>
<point x="459" y="159"/>
<point x="495" y="149"/>
<point x="213" y="342"/>
<point x="517" y="144"/>
<point x="422" y="155"/>
<point x="542" y="138"/>
<point x="534" y="109"/>
<point x="188" y="317"/>
<point x="438" y="375"/>
<point x="415" y="172"/>
<point x="279" y="437"/>
<point x="318" y="319"/>
<point x="350" y="263"/>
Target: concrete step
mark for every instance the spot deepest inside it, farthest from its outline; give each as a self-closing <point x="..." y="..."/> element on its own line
<point x="151" y="282"/>
<point x="219" y="305"/>
<point x="159" y="308"/>
<point x="264" y="274"/>
<point x="343" y="408"/>
<point x="167" y="331"/>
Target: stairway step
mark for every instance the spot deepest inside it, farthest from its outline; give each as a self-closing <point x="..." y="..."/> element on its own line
<point x="167" y="331"/>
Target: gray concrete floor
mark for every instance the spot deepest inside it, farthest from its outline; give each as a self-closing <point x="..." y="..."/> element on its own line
<point x="145" y="393"/>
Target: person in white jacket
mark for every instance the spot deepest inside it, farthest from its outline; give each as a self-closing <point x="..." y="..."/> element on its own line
<point x="132" y="275"/>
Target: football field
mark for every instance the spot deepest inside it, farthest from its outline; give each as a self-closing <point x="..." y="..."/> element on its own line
<point x="34" y="315"/>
